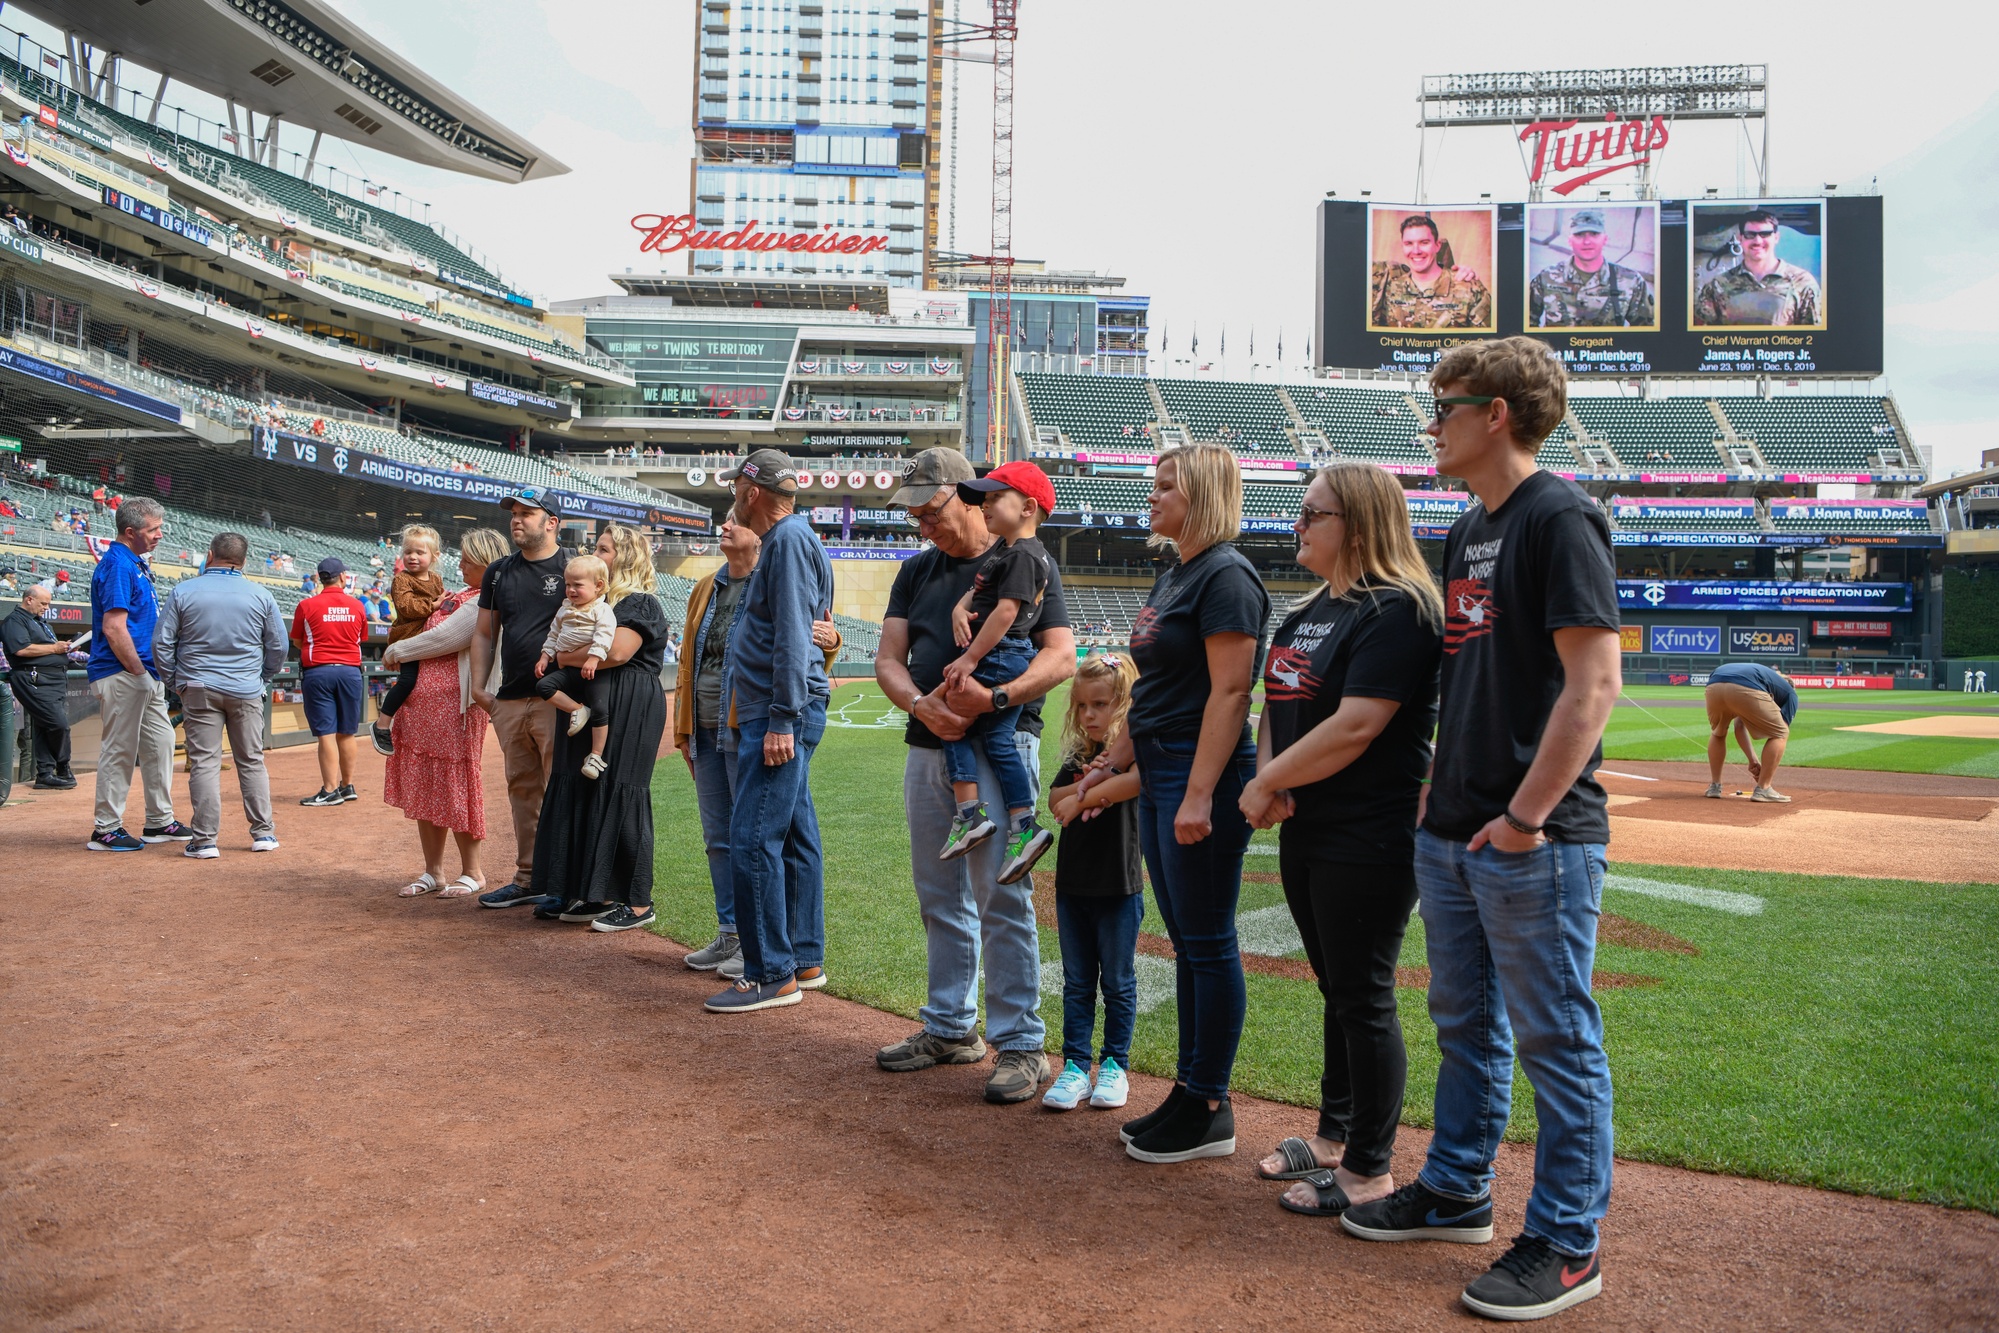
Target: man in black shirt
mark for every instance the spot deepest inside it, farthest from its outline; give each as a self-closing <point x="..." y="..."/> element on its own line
<point x="1510" y="854"/>
<point x="966" y="911"/>
<point x="517" y="599"/>
<point x="38" y="672"/>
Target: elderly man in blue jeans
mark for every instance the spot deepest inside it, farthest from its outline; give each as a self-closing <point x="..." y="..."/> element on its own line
<point x="967" y="912"/>
<point x="775" y="685"/>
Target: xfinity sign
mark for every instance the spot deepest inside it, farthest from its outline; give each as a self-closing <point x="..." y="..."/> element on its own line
<point x="1701" y="639"/>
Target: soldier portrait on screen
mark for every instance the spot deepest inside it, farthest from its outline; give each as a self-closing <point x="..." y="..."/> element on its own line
<point x="1592" y="267"/>
<point x="1758" y="264"/>
<point x="1431" y="268"/>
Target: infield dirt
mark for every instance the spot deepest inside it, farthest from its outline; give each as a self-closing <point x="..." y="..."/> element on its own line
<point x="263" y="1092"/>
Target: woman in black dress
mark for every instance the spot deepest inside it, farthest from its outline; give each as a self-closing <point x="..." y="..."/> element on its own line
<point x="593" y="852"/>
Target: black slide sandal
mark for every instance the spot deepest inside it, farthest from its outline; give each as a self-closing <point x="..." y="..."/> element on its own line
<point x="1332" y="1199"/>
<point x="1299" y="1161"/>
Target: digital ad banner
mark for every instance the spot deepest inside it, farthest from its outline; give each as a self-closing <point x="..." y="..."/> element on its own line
<point x="1669" y="287"/>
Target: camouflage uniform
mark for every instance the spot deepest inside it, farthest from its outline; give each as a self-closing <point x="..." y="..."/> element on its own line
<point x="1789" y="295"/>
<point x="1563" y="296"/>
<point x="1400" y="303"/>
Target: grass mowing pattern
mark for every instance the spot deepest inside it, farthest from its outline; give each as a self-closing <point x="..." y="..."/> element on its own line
<point x="1842" y="1038"/>
<point x="1641" y="729"/>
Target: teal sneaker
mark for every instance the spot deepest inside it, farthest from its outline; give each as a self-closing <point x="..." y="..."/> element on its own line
<point x="1069" y="1088"/>
<point x="1112" y="1087"/>
<point x="1024" y="847"/>
<point x="967" y="833"/>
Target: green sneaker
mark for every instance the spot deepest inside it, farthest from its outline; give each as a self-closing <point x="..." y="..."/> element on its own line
<point x="1023" y="848"/>
<point x="966" y="834"/>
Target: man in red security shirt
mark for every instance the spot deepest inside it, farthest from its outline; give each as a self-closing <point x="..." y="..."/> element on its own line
<point x="328" y="628"/>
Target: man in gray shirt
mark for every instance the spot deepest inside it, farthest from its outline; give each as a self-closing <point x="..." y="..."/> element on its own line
<point x="221" y="638"/>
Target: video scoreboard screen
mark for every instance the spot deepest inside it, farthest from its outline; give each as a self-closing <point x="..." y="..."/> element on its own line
<point x="1650" y="287"/>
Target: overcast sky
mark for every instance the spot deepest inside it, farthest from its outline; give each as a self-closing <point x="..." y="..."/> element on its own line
<point x="1184" y="146"/>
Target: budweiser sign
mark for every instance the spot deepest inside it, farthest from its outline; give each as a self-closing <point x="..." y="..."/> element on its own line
<point x="1563" y="146"/>
<point x="665" y="234"/>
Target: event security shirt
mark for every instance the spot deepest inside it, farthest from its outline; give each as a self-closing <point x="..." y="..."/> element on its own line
<point x="1217" y="592"/>
<point x="329" y="628"/>
<point x="1759" y="677"/>
<point x="1370" y="644"/>
<point x="121" y="582"/>
<point x="926" y="588"/>
<point x="523" y="595"/>
<point x="1512" y="577"/>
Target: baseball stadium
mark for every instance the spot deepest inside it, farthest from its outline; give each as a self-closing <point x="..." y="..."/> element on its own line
<point x="285" y="1091"/>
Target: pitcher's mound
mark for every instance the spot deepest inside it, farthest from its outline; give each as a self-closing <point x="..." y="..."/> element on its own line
<point x="1972" y="726"/>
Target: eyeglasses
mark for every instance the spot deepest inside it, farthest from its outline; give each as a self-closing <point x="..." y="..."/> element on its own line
<point x="931" y="511"/>
<point x="1761" y="235"/>
<point x="1445" y="406"/>
<point x="1307" y="515"/>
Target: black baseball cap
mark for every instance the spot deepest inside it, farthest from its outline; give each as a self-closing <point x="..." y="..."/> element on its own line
<point x="331" y="567"/>
<point x="533" y="497"/>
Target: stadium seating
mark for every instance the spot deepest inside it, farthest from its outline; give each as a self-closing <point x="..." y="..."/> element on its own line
<point x="1109" y="495"/>
<point x="1675" y="433"/>
<point x="1372" y="424"/>
<point x="1094" y="411"/>
<point x="1249" y="418"/>
<point x="1801" y="432"/>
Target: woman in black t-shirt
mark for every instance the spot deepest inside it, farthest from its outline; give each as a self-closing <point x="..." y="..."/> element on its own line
<point x="1350" y="702"/>
<point x="1196" y="645"/>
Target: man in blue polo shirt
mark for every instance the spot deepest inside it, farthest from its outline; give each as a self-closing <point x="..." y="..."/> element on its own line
<point x="131" y="701"/>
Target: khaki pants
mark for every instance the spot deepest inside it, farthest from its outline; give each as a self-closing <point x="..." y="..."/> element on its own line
<point x="1728" y="702"/>
<point x="205" y="716"/>
<point x="526" y="731"/>
<point x="133" y="715"/>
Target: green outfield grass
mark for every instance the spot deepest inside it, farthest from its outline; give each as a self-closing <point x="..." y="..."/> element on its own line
<point x="1640" y="728"/>
<point x="1840" y="1037"/>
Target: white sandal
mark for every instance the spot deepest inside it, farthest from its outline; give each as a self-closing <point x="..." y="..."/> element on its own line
<point x="416" y="888"/>
<point x="462" y="887"/>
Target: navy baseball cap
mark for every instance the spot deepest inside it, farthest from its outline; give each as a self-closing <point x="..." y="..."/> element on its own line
<point x="331" y="566"/>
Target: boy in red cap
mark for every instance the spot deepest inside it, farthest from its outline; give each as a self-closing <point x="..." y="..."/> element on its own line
<point x="1005" y="602"/>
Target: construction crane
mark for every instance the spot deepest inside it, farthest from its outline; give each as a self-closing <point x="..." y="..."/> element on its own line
<point x="1002" y="32"/>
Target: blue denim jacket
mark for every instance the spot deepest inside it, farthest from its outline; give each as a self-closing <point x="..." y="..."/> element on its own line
<point x="774" y="671"/>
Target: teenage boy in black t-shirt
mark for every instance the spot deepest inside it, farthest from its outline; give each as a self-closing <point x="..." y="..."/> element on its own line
<point x="1510" y="852"/>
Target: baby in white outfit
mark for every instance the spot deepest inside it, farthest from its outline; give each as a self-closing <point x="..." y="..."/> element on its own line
<point x="585" y="621"/>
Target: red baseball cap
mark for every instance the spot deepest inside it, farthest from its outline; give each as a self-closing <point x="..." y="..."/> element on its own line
<point x="1020" y="476"/>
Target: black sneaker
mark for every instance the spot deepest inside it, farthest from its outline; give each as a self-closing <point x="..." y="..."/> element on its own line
<point x="1416" y="1212"/>
<point x="171" y="831"/>
<point x="384" y="739"/>
<point x="324" y="797"/>
<point x="582" y="911"/>
<point x="54" y="782"/>
<point x="548" y="908"/>
<point x="113" y="840"/>
<point x="347" y="793"/>
<point x="622" y="917"/>
<point x="1188" y="1132"/>
<point x="513" y="895"/>
<point x="1131" y="1129"/>
<point x="1532" y="1281"/>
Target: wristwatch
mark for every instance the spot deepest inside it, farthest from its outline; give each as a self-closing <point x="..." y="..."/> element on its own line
<point x="999" y="698"/>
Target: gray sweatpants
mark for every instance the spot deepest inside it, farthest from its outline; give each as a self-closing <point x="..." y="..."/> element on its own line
<point x="205" y="715"/>
<point x="132" y="711"/>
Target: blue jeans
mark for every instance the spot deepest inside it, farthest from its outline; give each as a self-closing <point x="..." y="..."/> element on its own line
<point x="714" y="761"/>
<point x="1196" y="888"/>
<point x="967" y="912"/>
<point x="775" y="861"/>
<point x="993" y="733"/>
<point x="1512" y="940"/>
<point x="1099" y="947"/>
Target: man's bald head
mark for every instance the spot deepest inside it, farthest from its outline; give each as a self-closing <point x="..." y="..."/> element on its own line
<point x="35" y="600"/>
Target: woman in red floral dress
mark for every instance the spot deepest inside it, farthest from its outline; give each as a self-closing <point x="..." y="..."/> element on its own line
<point x="435" y="774"/>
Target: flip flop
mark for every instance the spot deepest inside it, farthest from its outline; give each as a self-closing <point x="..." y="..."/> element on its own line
<point x="416" y="888"/>
<point x="462" y="887"/>
<point x="1299" y="1161"/>
<point x="1332" y="1199"/>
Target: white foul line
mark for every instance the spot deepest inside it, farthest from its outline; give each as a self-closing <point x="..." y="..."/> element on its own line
<point x="1735" y="904"/>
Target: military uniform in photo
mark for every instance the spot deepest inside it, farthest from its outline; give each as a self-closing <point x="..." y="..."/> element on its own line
<point x="1400" y="302"/>
<point x="1563" y="296"/>
<point x="1790" y="295"/>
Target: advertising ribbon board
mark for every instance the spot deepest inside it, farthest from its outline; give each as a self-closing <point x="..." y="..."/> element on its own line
<point x="1759" y="641"/>
<point x="76" y="380"/>
<point x="162" y="218"/>
<point x="19" y="246"/>
<point x="1704" y="640"/>
<point x="1717" y="595"/>
<point x="1853" y="629"/>
<point x="505" y="395"/>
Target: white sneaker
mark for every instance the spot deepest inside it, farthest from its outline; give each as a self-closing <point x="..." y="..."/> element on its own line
<point x="201" y="851"/>
<point x="1112" y="1087"/>
<point x="264" y="844"/>
<point x="579" y="719"/>
<point x="593" y="766"/>
<point x="1069" y="1088"/>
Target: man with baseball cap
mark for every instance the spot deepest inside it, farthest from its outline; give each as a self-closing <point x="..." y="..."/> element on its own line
<point x="775" y="685"/>
<point x="1586" y="289"/>
<point x="967" y="913"/>
<point x="328" y="628"/>
<point x="517" y="600"/>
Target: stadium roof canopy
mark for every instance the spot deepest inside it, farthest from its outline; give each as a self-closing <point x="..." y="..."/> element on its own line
<point x="772" y="293"/>
<point x="302" y="62"/>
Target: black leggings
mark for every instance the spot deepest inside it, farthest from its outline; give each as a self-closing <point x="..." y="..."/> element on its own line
<point x="569" y="681"/>
<point x="1352" y="918"/>
<point x="405" y="682"/>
